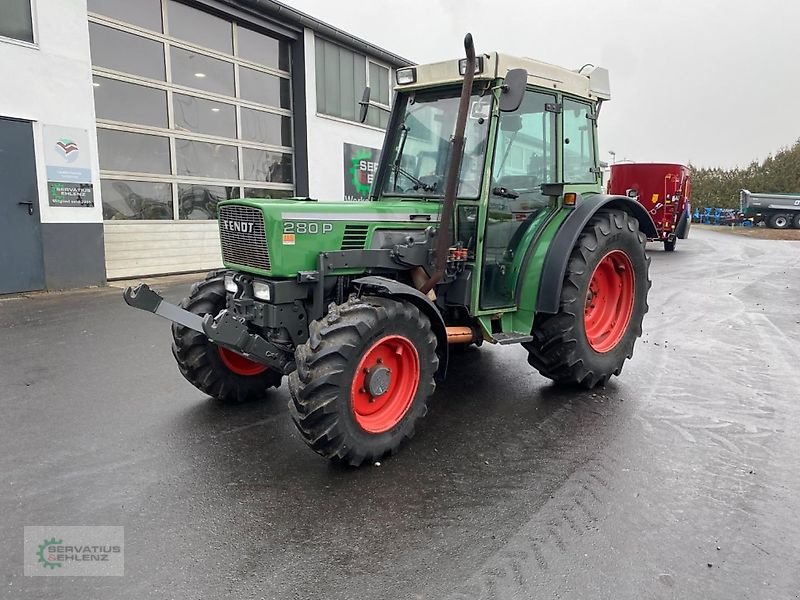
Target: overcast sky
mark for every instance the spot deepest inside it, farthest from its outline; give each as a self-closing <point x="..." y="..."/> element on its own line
<point x="714" y="82"/>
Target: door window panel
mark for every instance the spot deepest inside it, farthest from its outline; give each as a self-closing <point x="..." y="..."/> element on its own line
<point x="201" y="72"/>
<point x="204" y="116"/>
<point x="142" y="200"/>
<point x="135" y="152"/>
<point x="263" y="49"/>
<point x="130" y="103"/>
<point x="579" y="159"/>
<point x="144" y="13"/>
<point x="263" y="165"/>
<point x="202" y="28"/>
<point x="202" y="159"/>
<point x="263" y="88"/>
<point x="266" y="128"/>
<point x="199" y="201"/>
<point x="126" y="52"/>
<point x="525" y="158"/>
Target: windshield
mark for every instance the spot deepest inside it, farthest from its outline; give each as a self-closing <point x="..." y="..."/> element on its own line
<point x="417" y="163"/>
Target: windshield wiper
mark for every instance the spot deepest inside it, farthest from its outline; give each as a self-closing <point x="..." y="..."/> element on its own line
<point x="418" y="183"/>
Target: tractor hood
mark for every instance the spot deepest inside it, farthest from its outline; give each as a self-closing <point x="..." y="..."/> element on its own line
<point x="279" y="238"/>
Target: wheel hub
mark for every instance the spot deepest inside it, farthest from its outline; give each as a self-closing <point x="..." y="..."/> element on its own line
<point x="609" y="301"/>
<point x="377" y="380"/>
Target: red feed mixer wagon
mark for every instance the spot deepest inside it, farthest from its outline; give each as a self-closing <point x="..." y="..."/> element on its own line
<point x="664" y="190"/>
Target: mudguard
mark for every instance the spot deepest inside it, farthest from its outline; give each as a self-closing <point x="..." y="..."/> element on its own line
<point x="382" y="286"/>
<point x="555" y="263"/>
<point x="682" y="229"/>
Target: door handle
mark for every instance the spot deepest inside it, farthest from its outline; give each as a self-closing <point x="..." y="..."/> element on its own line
<point x="29" y="205"/>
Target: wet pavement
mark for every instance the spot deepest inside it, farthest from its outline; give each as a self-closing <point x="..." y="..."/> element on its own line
<point x="680" y="479"/>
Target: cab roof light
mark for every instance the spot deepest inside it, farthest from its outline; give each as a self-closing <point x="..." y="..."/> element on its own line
<point x="405" y="76"/>
<point x="462" y="66"/>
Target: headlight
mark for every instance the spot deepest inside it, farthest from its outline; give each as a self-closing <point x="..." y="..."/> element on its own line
<point x="261" y="290"/>
<point x="462" y="65"/>
<point x="405" y="76"/>
<point x="230" y="284"/>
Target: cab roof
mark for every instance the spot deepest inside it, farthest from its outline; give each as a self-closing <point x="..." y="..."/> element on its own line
<point x="588" y="83"/>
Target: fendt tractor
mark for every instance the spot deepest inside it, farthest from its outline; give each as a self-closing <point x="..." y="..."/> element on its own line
<point x="664" y="189"/>
<point x="486" y="223"/>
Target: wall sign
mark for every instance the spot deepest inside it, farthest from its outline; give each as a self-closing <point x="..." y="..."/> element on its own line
<point x="360" y="167"/>
<point x="69" y="166"/>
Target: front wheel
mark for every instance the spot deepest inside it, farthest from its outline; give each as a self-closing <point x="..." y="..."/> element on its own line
<point x="603" y="303"/>
<point x="797" y="221"/>
<point x="363" y="379"/>
<point x="221" y="373"/>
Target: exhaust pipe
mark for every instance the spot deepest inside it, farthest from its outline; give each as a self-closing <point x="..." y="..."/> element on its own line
<point x="453" y="170"/>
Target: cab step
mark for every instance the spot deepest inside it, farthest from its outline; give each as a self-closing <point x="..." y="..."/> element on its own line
<point x="512" y="337"/>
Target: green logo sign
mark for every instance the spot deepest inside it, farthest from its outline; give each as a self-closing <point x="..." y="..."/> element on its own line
<point x="361" y="165"/>
<point x="46" y="558"/>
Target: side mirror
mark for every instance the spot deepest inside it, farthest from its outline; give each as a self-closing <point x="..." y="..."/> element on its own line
<point x="362" y="115"/>
<point x="513" y="90"/>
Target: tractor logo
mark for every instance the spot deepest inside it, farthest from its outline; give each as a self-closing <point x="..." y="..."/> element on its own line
<point x="47" y="558"/>
<point x="67" y="149"/>
<point x="362" y="170"/>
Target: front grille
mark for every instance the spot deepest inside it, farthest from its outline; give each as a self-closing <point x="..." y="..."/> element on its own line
<point x="355" y="236"/>
<point x="243" y="237"/>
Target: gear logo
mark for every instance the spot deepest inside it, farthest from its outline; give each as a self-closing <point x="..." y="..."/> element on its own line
<point x="360" y="183"/>
<point x="47" y="559"/>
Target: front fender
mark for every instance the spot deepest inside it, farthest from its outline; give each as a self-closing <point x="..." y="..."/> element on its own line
<point x="391" y="288"/>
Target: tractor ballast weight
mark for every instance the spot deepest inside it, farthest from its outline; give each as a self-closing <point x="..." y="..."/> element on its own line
<point x="487" y="223"/>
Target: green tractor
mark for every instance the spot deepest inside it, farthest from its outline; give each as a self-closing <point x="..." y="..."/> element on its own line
<point x="487" y="223"/>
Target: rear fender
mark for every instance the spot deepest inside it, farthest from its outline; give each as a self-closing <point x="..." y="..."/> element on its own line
<point x="381" y="286"/>
<point x="555" y="262"/>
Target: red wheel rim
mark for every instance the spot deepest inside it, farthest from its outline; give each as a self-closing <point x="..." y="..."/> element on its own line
<point x="609" y="301"/>
<point x="240" y="365"/>
<point x="381" y="399"/>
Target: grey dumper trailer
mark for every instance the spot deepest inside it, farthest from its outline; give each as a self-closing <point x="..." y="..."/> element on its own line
<point x="778" y="211"/>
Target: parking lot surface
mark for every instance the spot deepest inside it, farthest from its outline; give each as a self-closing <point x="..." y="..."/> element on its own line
<point x="680" y="479"/>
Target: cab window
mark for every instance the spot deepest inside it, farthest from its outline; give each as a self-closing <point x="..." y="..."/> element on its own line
<point x="579" y="159"/>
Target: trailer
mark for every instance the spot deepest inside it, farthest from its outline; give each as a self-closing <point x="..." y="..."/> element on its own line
<point x="664" y="189"/>
<point x="778" y="211"/>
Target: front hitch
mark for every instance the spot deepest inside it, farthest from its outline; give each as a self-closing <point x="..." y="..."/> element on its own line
<point x="223" y="329"/>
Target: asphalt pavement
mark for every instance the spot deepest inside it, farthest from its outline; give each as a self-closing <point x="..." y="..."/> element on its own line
<point x="680" y="479"/>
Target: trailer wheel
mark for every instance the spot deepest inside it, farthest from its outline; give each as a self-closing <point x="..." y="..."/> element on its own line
<point x="216" y="371"/>
<point x="603" y="302"/>
<point x="363" y="379"/>
<point x="797" y="221"/>
<point x="669" y="245"/>
<point x="779" y="221"/>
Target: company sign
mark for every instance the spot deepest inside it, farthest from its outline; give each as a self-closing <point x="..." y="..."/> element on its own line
<point x="69" y="170"/>
<point x="360" y="168"/>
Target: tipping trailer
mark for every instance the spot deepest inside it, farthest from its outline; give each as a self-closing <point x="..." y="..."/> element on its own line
<point x="778" y="211"/>
<point x="664" y="189"/>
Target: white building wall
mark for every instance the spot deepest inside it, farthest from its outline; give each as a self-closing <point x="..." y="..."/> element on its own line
<point x="327" y="136"/>
<point x="50" y="82"/>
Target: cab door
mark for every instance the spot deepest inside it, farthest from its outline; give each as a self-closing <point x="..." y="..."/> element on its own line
<point x="524" y="159"/>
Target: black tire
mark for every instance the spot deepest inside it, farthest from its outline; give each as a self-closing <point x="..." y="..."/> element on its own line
<point x="198" y="358"/>
<point x="560" y="349"/>
<point x="669" y="245"/>
<point x="322" y="406"/>
<point x="796" y="221"/>
<point x="779" y="221"/>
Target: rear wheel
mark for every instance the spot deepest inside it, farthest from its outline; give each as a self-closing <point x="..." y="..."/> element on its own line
<point x="603" y="302"/>
<point x="797" y="221"/>
<point x="779" y="221"/>
<point x="221" y="373"/>
<point x="363" y="379"/>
